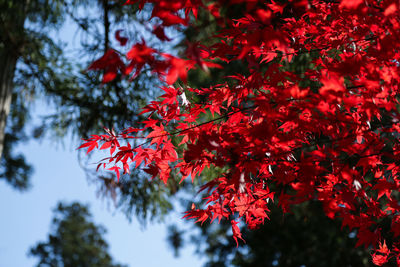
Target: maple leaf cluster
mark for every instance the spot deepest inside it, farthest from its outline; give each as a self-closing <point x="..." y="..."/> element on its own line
<point x="329" y="132"/>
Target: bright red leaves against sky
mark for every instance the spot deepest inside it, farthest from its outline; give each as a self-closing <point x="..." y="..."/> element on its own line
<point x="281" y="134"/>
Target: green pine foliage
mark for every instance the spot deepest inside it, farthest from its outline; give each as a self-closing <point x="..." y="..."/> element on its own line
<point x="75" y="240"/>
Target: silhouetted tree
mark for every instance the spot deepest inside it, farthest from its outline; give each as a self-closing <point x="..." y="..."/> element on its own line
<point x="75" y="240"/>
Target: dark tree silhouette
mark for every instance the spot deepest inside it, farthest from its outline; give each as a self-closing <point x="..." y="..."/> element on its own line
<point x="75" y="240"/>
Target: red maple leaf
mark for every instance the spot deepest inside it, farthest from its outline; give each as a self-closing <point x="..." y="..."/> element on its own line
<point x="122" y="40"/>
<point x="111" y="63"/>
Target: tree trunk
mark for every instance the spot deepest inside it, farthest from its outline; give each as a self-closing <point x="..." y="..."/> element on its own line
<point x="106" y="22"/>
<point x="8" y="63"/>
<point x="12" y="19"/>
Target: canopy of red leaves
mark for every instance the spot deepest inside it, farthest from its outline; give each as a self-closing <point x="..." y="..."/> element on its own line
<point x="328" y="133"/>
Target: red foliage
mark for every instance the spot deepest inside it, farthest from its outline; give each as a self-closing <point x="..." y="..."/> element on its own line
<point x="329" y="133"/>
<point x="122" y="40"/>
<point x="111" y="63"/>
